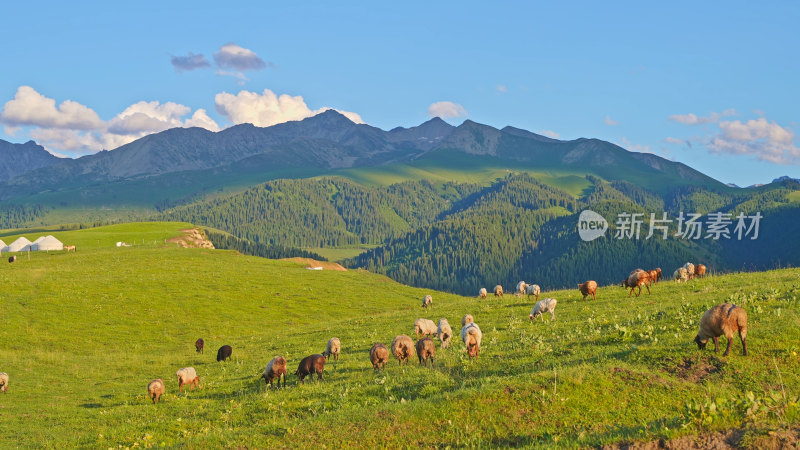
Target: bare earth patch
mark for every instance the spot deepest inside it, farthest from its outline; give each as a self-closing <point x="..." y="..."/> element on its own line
<point x="314" y="264"/>
<point x="191" y="238"/>
<point x="696" y="369"/>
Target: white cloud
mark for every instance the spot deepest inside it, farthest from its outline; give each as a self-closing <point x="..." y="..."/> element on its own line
<point x="693" y="119"/>
<point x="501" y="88"/>
<point x="765" y="140"/>
<point x="232" y="56"/>
<point x="30" y="108"/>
<point x="148" y="117"/>
<point x="610" y="122"/>
<point x="673" y="140"/>
<point x="551" y="134"/>
<point x="446" y="110"/>
<point x="201" y="119"/>
<point x="239" y="76"/>
<point x="635" y="147"/>
<point x="266" y="108"/>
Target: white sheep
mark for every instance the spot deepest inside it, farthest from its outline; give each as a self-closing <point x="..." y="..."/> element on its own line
<point x="689" y="270"/>
<point x="533" y="289"/>
<point x="187" y="375"/>
<point x="424" y="327"/>
<point x="680" y="274"/>
<point x="482" y="293"/>
<point x="498" y="291"/>
<point x="543" y="306"/>
<point x="333" y="348"/>
<point x="156" y="389"/>
<point x="444" y="332"/>
<point x="3" y="382"/>
<point x="521" y="286"/>
<point x="427" y="301"/>
<point x="471" y="336"/>
<point x="467" y="319"/>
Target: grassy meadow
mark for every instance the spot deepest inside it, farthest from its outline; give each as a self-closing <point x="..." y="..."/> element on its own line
<point x="83" y="333"/>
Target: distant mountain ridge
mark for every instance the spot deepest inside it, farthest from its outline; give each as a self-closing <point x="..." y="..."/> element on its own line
<point x="331" y="141"/>
<point x="16" y="159"/>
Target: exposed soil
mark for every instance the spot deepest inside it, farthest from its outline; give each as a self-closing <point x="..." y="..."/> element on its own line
<point x="696" y="369"/>
<point x="636" y="377"/>
<point x="718" y="440"/>
<point x="191" y="238"/>
<point x="313" y="264"/>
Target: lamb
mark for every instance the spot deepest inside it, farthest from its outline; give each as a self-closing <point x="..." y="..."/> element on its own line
<point x="467" y="319"/>
<point x="310" y="365"/>
<point x="379" y="356"/>
<point x="533" y="289"/>
<point x="482" y="293"/>
<point x="689" y="269"/>
<point x="427" y="301"/>
<point x="224" y="353"/>
<point x="444" y="332"/>
<point x="3" y="382"/>
<point x="700" y="271"/>
<point x="187" y="375"/>
<point x="276" y="368"/>
<point x="402" y="348"/>
<point x="680" y="274"/>
<point x="424" y="327"/>
<point x="588" y="288"/>
<point x="156" y="389"/>
<point x="425" y="351"/>
<point x="471" y="335"/>
<point x="199" y="344"/>
<point x="722" y="319"/>
<point x="521" y="286"/>
<point x="498" y="291"/>
<point x="333" y="348"/>
<point x="637" y="278"/>
<point x="543" y="306"/>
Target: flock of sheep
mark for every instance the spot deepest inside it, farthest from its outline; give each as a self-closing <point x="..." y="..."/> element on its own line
<point x="725" y="319"/>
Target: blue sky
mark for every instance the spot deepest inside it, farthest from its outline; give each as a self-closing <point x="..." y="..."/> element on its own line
<point x="710" y="84"/>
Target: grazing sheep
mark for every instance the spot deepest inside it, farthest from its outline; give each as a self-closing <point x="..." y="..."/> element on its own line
<point x="402" y="348"/>
<point x="276" y="368"/>
<point x="637" y="278"/>
<point x="700" y="271"/>
<point x="333" y="348"/>
<point x="689" y="269"/>
<point x="498" y="291"/>
<point x="588" y="288"/>
<point x="425" y="351"/>
<point x="310" y="365"/>
<point x="543" y="306"/>
<point x="199" y="344"/>
<point x="722" y="319"/>
<point x="653" y="277"/>
<point x="187" y="375"/>
<point x="3" y="382"/>
<point x="224" y="353"/>
<point x="444" y="332"/>
<point x="482" y="293"/>
<point x="533" y="289"/>
<point x="471" y="335"/>
<point x="156" y="389"/>
<point x="423" y="327"/>
<point x="69" y="248"/>
<point x="467" y="319"/>
<point x="680" y="274"/>
<point x="379" y="356"/>
<point x="658" y="271"/>
<point x="521" y="286"/>
<point x="12" y="259"/>
<point x="427" y="301"/>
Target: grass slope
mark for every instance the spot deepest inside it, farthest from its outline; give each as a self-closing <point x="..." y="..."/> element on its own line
<point x="83" y="333"/>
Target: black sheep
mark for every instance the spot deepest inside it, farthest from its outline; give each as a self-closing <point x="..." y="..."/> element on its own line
<point x="224" y="352"/>
<point x="199" y="344"/>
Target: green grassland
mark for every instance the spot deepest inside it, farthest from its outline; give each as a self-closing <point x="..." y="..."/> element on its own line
<point x="83" y="333"/>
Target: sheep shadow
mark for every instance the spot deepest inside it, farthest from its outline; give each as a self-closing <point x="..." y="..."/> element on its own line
<point x="90" y="405"/>
<point x="518" y="305"/>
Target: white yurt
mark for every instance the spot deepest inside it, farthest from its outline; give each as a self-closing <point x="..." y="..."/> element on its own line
<point x="20" y="245"/>
<point x="2" y="246"/>
<point x="47" y="243"/>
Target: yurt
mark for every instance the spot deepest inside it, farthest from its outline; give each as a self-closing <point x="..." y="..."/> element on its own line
<point x="20" y="245"/>
<point x="3" y="246"/>
<point x="47" y="243"/>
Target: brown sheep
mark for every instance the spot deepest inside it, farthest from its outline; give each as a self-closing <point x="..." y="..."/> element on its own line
<point x="637" y="278"/>
<point x="379" y="356"/>
<point x="310" y="365"/>
<point x="467" y="319"/>
<point x="199" y="344"/>
<point x="156" y="389"/>
<point x="187" y="375"/>
<point x="658" y="271"/>
<point x="498" y="291"/>
<point x="722" y="319"/>
<point x="700" y="271"/>
<point x="402" y="348"/>
<point x="588" y="288"/>
<point x="3" y="382"/>
<point x="653" y="277"/>
<point x="276" y="368"/>
<point x="426" y="350"/>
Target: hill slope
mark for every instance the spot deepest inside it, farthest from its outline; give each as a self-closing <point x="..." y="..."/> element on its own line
<point x="85" y="332"/>
<point x="17" y="159"/>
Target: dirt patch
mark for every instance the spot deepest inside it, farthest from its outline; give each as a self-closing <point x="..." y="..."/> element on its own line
<point x="639" y="378"/>
<point x="317" y="265"/>
<point x="717" y="440"/>
<point x="192" y="238"/>
<point x="696" y="369"/>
